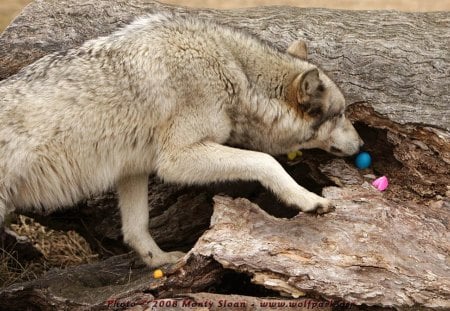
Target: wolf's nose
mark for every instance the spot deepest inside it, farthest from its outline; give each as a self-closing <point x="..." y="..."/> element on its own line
<point x="361" y="143"/>
<point x="359" y="146"/>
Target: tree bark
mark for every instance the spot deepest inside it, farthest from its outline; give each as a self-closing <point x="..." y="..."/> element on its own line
<point x="124" y="284"/>
<point x="370" y="251"/>
<point x="387" y="249"/>
<point x="398" y="63"/>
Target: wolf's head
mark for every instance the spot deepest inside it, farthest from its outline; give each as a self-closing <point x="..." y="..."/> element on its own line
<point x="321" y="106"/>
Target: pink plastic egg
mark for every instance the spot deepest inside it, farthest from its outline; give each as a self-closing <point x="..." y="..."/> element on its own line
<point x="381" y="183"/>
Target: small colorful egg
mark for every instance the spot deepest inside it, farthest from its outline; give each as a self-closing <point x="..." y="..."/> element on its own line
<point x="157" y="274"/>
<point x="363" y="160"/>
<point x="381" y="183"/>
<point x="292" y="155"/>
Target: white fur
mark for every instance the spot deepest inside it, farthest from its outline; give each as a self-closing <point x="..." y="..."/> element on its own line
<point x="163" y="95"/>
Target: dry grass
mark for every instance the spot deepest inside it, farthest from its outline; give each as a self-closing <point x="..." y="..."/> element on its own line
<point x="12" y="270"/>
<point x="60" y="249"/>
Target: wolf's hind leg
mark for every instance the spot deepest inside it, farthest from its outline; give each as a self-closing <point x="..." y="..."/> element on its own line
<point x="133" y="203"/>
<point x="2" y="213"/>
<point x="4" y="198"/>
<point x="4" y="210"/>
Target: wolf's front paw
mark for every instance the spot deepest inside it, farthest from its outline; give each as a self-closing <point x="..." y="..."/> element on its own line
<point x="312" y="203"/>
<point x="325" y="206"/>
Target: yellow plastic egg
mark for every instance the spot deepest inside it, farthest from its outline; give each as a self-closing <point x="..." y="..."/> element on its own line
<point x="157" y="274"/>
<point x="292" y="155"/>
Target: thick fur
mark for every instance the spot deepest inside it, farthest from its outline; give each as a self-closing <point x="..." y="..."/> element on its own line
<point x="167" y="95"/>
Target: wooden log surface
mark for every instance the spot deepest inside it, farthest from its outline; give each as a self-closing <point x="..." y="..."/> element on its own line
<point x="398" y="63"/>
<point x="124" y="284"/>
<point x="370" y="251"/>
<point x="388" y="249"/>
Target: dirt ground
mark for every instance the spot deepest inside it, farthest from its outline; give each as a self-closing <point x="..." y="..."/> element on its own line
<point x="10" y="8"/>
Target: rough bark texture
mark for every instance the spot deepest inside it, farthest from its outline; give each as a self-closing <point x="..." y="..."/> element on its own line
<point x="390" y="249"/>
<point x="115" y="283"/>
<point x="396" y="62"/>
<point x="370" y="251"/>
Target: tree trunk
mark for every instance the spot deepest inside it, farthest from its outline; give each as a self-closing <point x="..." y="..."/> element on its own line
<point x="398" y="63"/>
<point x="388" y="249"/>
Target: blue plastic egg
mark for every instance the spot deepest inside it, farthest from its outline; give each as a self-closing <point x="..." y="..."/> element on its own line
<point x="363" y="160"/>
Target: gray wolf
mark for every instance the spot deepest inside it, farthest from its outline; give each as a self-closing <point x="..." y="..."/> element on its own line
<point x="189" y="100"/>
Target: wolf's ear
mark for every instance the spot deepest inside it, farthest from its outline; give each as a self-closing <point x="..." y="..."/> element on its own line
<point x="298" y="49"/>
<point x="309" y="82"/>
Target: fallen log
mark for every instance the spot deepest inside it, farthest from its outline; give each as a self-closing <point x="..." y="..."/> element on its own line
<point x="393" y="68"/>
<point x="370" y="251"/>
<point x="394" y="62"/>
<point x="125" y="284"/>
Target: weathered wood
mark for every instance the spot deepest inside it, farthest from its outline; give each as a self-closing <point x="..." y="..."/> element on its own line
<point x="81" y="286"/>
<point x="115" y="283"/>
<point x="120" y="282"/>
<point x="123" y="284"/>
<point x="398" y="63"/>
<point x="387" y="249"/>
<point x="370" y="251"/>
